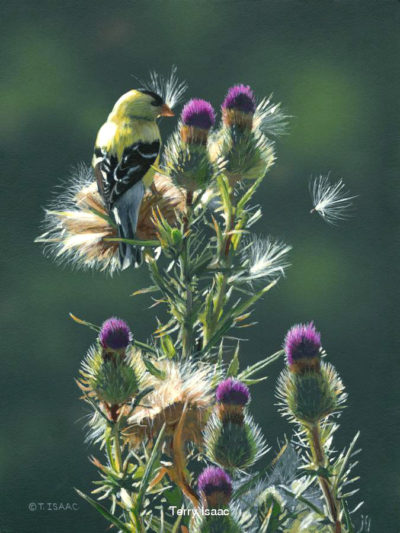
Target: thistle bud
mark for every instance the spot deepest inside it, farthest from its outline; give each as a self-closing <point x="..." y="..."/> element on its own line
<point x="114" y="336"/>
<point x="115" y="382"/>
<point x="246" y="152"/>
<point x="233" y="441"/>
<point x="216" y="487"/>
<point x="309" y="390"/>
<point x="232" y="397"/>
<point x="303" y="348"/>
<point x="238" y="107"/>
<point x="198" y="118"/>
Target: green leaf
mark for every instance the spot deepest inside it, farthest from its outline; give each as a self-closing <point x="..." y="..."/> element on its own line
<point x="342" y="470"/>
<point x="253" y="369"/>
<point x="148" y="472"/>
<point x="319" y="472"/>
<point x="144" y="346"/>
<point x="248" y="381"/>
<point x="153" y="369"/>
<point x="162" y="526"/>
<point x="103" y="216"/>
<point x="85" y="323"/>
<point x="347" y="517"/>
<point x="303" y="499"/>
<point x="140" y="395"/>
<point x="233" y="368"/>
<point x="104" y="512"/>
<point x="167" y="346"/>
<point x="134" y="242"/>
<point x="175" y="529"/>
<point x="248" y="194"/>
<point x="146" y="290"/>
<point x="173" y="496"/>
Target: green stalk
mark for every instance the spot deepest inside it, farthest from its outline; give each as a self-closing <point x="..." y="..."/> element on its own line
<point x="187" y="326"/>
<point x="320" y="460"/>
<point x="226" y="260"/>
<point x="117" y="448"/>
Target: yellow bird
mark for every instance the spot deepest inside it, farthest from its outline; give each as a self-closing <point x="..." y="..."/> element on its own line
<point x="126" y="150"/>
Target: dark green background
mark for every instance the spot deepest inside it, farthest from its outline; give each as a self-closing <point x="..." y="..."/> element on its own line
<point x="334" y="65"/>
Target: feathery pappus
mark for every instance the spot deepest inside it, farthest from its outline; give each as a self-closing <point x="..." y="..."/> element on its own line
<point x="186" y="389"/>
<point x="78" y="223"/>
<point x="330" y="200"/>
<point x="263" y="259"/>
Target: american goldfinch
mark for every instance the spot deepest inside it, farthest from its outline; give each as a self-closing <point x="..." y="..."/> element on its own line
<point x="126" y="150"/>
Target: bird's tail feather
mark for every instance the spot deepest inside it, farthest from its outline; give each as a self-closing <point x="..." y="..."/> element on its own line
<point x="126" y="213"/>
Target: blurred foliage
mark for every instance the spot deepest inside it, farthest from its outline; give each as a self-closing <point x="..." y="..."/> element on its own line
<point x="335" y="67"/>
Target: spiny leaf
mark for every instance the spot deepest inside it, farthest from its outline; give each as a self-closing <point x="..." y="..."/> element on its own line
<point x="304" y="500"/>
<point x="146" y="290"/>
<point x="140" y="395"/>
<point x="253" y="369"/>
<point x="149" y="470"/>
<point x="85" y="323"/>
<point x="104" y="512"/>
<point x="167" y="346"/>
<point x="134" y="242"/>
<point x="153" y="369"/>
<point x="233" y="368"/>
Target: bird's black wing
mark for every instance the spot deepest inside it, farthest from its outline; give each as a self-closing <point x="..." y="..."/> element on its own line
<point x="115" y="178"/>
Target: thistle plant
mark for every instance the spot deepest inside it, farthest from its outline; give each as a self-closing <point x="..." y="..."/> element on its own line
<point x="170" y="415"/>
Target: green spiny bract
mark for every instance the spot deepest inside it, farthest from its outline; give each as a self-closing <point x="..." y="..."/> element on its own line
<point x="112" y="380"/>
<point x="231" y="445"/>
<point x="216" y="523"/>
<point x="189" y="165"/>
<point x="115" y="383"/>
<point x="246" y="154"/>
<point x="310" y="397"/>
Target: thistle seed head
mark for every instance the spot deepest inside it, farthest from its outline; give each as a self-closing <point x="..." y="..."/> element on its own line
<point x="185" y="391"/>
<point x="78" y="226"/>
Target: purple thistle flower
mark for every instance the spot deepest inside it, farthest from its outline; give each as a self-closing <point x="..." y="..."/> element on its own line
<point x="115" y="334"/>
<point x="302" y="341"/>
<point x="241" y="98"/>
<point x="215" y="481"/>
<point x="199" y="114"/>
<point x="234" y="392"/>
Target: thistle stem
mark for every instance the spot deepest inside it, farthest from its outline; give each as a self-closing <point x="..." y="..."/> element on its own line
<point x="117" y="448"/>
<point x="187" y="327"/>
<point x="220" y="300"/>
<point x="320" y="460"/>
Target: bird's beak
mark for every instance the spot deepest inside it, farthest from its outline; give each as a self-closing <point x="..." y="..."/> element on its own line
<point x="166" y="111"/>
